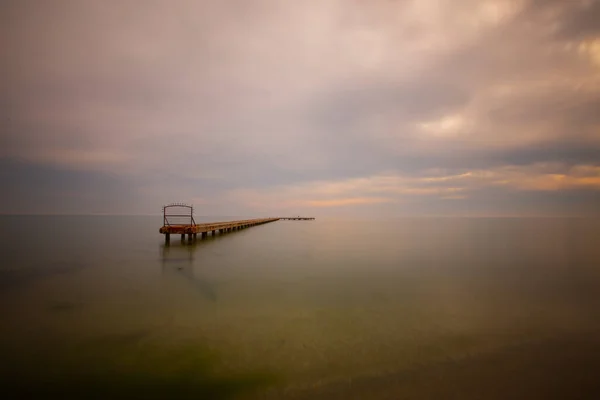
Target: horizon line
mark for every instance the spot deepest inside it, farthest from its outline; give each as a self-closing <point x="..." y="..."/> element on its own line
<point x="330" y="216"/>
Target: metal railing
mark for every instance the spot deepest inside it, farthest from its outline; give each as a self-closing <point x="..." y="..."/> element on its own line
<point x="181" y="216"/>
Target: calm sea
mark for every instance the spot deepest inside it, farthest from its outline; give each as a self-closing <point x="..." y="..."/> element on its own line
<point x="399" y="308"/>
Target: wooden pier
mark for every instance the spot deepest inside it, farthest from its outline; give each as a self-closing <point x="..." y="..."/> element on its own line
<point x="178" y="219"/>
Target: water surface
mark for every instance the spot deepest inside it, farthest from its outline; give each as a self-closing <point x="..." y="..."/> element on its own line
<point x="330" y="308"/>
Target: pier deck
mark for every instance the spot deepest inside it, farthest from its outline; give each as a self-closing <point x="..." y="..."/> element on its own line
<point x="181" y="222"/>
<point x="213" y="226"/>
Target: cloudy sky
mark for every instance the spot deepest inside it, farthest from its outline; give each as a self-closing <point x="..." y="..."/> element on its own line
<point x="316" y="107"/>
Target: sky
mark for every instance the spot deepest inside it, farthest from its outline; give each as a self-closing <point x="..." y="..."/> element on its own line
<point x="366" y="108"/>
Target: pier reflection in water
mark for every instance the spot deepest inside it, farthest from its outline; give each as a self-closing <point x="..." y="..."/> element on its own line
<point x="179" y="261"/>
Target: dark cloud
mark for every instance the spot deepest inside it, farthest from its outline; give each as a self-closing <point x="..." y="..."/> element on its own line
<point x="571" y="107"/>
<point x="34" y="188"/>
<point x="582" y="23"/>
<point x="576" y="19"/>
<point x="565" y="152"/>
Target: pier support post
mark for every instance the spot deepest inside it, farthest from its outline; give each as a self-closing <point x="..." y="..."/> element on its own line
<point x="167" y="238"/>
<point x="182" y="237"/>
<point x="213" y="232"/>
<point x="189" y="237"/>
<point x="195" y="236"/>
<point x="204" y="235"/>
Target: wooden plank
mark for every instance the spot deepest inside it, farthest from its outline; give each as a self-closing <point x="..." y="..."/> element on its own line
<point x="212" y="226"/>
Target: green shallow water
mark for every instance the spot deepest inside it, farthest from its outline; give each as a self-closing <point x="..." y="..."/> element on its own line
<point x="296" y="308"/>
